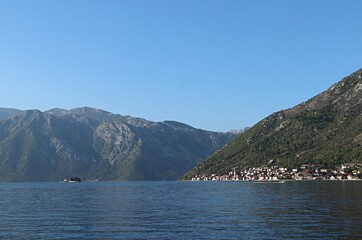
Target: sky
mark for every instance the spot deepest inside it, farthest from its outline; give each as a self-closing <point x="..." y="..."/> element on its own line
<point x="213" y="64"/>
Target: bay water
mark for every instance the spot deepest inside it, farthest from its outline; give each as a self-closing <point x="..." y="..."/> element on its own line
<point x="181" y="210"/>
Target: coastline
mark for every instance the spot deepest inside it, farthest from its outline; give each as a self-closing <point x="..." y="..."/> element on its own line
<point x="306" y="172"/>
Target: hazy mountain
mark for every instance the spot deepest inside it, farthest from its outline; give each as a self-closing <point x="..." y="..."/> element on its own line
<point x="8" y="112"/>
<point x="92" y="143"/>
<point x="326" y="129"/>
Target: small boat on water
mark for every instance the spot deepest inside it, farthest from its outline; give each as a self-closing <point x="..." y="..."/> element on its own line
<point x="72" y="180"/>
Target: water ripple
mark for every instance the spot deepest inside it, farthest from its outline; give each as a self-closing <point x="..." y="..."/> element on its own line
<point x="181" y="210"/>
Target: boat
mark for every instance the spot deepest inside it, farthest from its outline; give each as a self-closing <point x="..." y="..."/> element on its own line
<point x="74" y="179"/>
<point x="71" y="180"/>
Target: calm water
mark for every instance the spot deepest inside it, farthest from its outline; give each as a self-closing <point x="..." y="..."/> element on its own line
<point x="181" y="210"/>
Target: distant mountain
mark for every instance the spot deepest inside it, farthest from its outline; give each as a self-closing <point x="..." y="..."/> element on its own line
<point x="92" y="143"/>
<point x="326" y="129"/>
<point x="8" y="112"/>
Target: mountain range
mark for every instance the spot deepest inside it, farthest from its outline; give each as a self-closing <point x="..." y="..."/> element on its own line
<point x="326" y="130"/>
<point x="91" y="143"/>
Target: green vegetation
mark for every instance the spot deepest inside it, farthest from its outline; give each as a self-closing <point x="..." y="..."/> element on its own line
<point x="327" y="129"/>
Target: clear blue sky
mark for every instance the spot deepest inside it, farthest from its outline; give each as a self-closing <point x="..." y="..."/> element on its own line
<point x="215" y="65"/>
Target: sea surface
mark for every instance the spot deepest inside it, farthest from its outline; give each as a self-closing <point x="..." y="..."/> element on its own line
<point x="181" y="210"/>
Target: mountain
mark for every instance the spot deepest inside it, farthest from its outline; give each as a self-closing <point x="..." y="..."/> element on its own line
<point x="8" y="112"/>
<point x="91" y="143"/>
<point x="326" y="129"/>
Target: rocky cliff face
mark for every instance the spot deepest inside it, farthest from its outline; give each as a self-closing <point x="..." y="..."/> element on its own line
<point x="326" y="129"/>
<point x="92" y="143"/>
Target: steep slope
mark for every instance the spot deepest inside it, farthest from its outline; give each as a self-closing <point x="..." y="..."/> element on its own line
<point x="35" y="146"/>
<point x="169" y="148"/>
<point x="8" y="112"/>
<point x="92" y="143"/>
<point x="326" y="129"/>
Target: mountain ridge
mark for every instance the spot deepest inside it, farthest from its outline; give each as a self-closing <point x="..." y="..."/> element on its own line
<point x="8" y="112"/>
<point x="326" y="129"/>
<point x="93" y="143"/>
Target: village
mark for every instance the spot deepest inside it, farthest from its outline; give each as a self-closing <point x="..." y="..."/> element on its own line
<point x="306" y="172"/>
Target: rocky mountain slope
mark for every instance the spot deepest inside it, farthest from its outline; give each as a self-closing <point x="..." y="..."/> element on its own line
<point x="8" y="112"/>
<point x="326" y="129"/>
<point x="92" y="143"/>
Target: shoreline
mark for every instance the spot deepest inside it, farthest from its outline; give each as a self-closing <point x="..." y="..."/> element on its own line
<point x="276" y="181"/>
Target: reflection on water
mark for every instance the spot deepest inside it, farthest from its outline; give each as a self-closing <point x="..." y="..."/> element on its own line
<point x="181" y="210"/>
